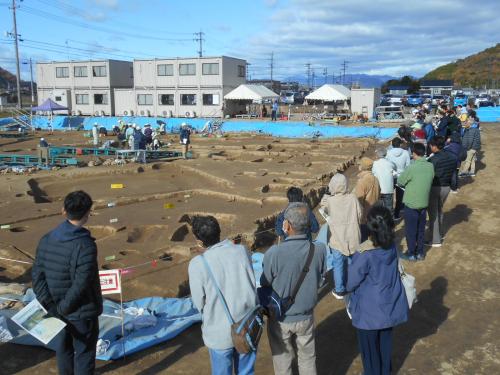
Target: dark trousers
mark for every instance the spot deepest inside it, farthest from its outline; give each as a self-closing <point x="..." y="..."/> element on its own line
<point x="454" y="181"/>
<point x="375" y="347"/>
<point x="76" y="347"/>
<point x="274" y="115"/>
<point x="386" y="201"/>
<point x="415" y="229"/>
<point x="399" y="202"/>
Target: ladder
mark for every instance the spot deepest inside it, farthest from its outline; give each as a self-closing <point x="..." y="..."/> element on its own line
<point x="22" y="117"/>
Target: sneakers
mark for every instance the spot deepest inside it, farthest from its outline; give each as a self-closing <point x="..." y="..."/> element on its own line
<point x="420" y="257"/>
<point x="454" y="191"/>
<point x="397" y="219"/>
<point x="430" y="244"/>
<point x="406" y="256"/>
<point x="472" y="175"/>
<point x="338" y="295"/>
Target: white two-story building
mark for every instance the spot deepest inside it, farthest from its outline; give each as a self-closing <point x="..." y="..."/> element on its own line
<point x="180" y="87"/>
<point x="85" y="87"/>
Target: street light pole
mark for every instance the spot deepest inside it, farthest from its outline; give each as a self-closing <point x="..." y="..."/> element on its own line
<point x="18" y="69"/>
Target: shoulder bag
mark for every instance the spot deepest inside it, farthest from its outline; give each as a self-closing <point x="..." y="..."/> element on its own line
<point x="408" y="284"/>
<point x="276" y="306"/>
<point x="247" y="332"/>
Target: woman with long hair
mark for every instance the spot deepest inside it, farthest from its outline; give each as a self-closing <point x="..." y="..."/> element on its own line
<point x="378" y="301"/>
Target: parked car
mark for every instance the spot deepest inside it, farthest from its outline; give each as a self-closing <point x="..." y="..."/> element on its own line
<point x="395" y="100"/>
<point x="486" y="103"/>
<point x="287" y="98"/>
<point x="460" y="99"/>
<point x="438" y="99"/>
<point x="427" y="98"/>
<point x="482" y="98"/>
<point x="414" y="100"/>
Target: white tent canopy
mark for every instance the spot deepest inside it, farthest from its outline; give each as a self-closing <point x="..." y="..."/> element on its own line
<point x="251" y="92"/>
<point x="330" y="93"/>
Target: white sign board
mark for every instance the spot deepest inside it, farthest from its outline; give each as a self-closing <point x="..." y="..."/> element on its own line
<point x="110" y="281"/>
<point x="33" y="318"/>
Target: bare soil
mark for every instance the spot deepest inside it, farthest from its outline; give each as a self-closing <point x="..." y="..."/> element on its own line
<point x="242" y="181"/>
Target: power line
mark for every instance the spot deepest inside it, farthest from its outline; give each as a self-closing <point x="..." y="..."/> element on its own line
<point x="54" y="17"/>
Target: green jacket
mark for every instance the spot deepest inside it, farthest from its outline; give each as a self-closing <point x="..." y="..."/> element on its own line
<point x="417" y="181"/>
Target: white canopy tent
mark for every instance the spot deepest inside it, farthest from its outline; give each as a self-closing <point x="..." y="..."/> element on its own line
<point x="330" y="93"/>
<point x="255" y="93"/>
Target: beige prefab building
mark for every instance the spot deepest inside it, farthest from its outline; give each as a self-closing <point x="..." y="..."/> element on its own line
<point x="180" y="87"/>
<point x="85" y="87"/>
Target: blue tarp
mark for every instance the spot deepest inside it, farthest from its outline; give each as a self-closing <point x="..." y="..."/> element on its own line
<point x="172" y="316"/>
<point x="278" y="129"/>
<point x="489" y="114"/>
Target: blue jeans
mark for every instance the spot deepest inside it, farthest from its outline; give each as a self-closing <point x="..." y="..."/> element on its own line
<point x="339" y="266"/>
<point x="224" y="361"/>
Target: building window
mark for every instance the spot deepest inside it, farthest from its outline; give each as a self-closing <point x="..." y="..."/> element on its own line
<point x="166" y="99"/>
<point x="82" y="98"/>
<point x="187" y="69"/>
<point x="211" y="99"/>
<point x="241" y="70"/>
<point x="62" y="72"/>
<point x="145" y="99"/>
<point x="100" y="98"/>
<point x="165" y="69"/>
<point x="58" y="98"/>
<point x="80" y="71"/>
<point x="188" y="99"/>
<point x="210" y="69"/>
<point x="99" y="71"/>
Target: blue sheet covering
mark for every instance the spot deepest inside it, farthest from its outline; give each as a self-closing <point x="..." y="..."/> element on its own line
<point x="278" y="129"/>
<point x="489" y="114"/>
<point x="172" y="315"/>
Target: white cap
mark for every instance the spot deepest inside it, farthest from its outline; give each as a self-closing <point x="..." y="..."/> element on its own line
<point x="42" y="139"/>
<point x="183" y="124"/>
<point x="96" y="124"/>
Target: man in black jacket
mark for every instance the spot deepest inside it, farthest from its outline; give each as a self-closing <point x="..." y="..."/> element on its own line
<point x="66" y="283"/>
<point x="444" y="166"/>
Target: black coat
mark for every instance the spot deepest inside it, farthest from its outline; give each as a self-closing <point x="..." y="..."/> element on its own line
<point x="66" y="275"/>
<point x="444" y="164"/>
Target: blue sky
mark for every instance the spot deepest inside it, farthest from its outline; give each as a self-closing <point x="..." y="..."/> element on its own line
<point x="376" y="36"/>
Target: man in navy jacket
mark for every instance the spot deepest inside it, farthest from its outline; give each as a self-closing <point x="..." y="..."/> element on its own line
<point x="66" y="283"/>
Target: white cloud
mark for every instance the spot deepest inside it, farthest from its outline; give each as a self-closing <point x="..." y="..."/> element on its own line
<point x="378" y="37"/>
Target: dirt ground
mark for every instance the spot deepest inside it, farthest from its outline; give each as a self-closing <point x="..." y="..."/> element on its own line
<point x="242" y="181"/>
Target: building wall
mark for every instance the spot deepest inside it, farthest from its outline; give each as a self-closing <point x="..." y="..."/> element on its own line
<point x="127" y="101"/>
<point x="365" y="101"/>
<point x="435" y="90"/>
<point x="118" y="74"/>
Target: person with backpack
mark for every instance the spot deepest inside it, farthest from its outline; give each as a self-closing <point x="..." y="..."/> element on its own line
<point x="224" y="268"/>
<point x="454" y="146"/>
<point x="294" y="266"/>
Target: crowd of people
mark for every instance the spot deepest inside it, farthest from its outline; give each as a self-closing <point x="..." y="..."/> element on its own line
<point x="411" y="180"/>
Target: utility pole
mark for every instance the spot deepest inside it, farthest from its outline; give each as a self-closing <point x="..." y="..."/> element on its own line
<point x="31" y="73"/>
<point x="313" y="76"/>
<point x="271" y="65"/>
<point x="344" y="67"/>
<point x="308" y="66"/>
<point x="333" y="78"/>
<point x="246" y="71"/>
<point x="325" y="74"/>
<point x="18" y="69"/>
<point x="199" y="39"/>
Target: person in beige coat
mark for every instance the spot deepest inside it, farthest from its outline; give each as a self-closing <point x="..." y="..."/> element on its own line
<point x="344" y="214"/>
<point x="367" y="189"/>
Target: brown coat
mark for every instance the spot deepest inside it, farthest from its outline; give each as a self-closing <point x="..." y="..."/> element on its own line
<point x="344" y="213"/>
<point x="368" y="192"/>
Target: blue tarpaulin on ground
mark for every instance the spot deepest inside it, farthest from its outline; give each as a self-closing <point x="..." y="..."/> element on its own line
<point x="160" y="320"/>
<point x="279" y="129"/>
<point x="488" y="114"/>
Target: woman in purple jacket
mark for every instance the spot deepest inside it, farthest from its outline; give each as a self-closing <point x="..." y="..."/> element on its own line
<point x="378" y="300"/>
